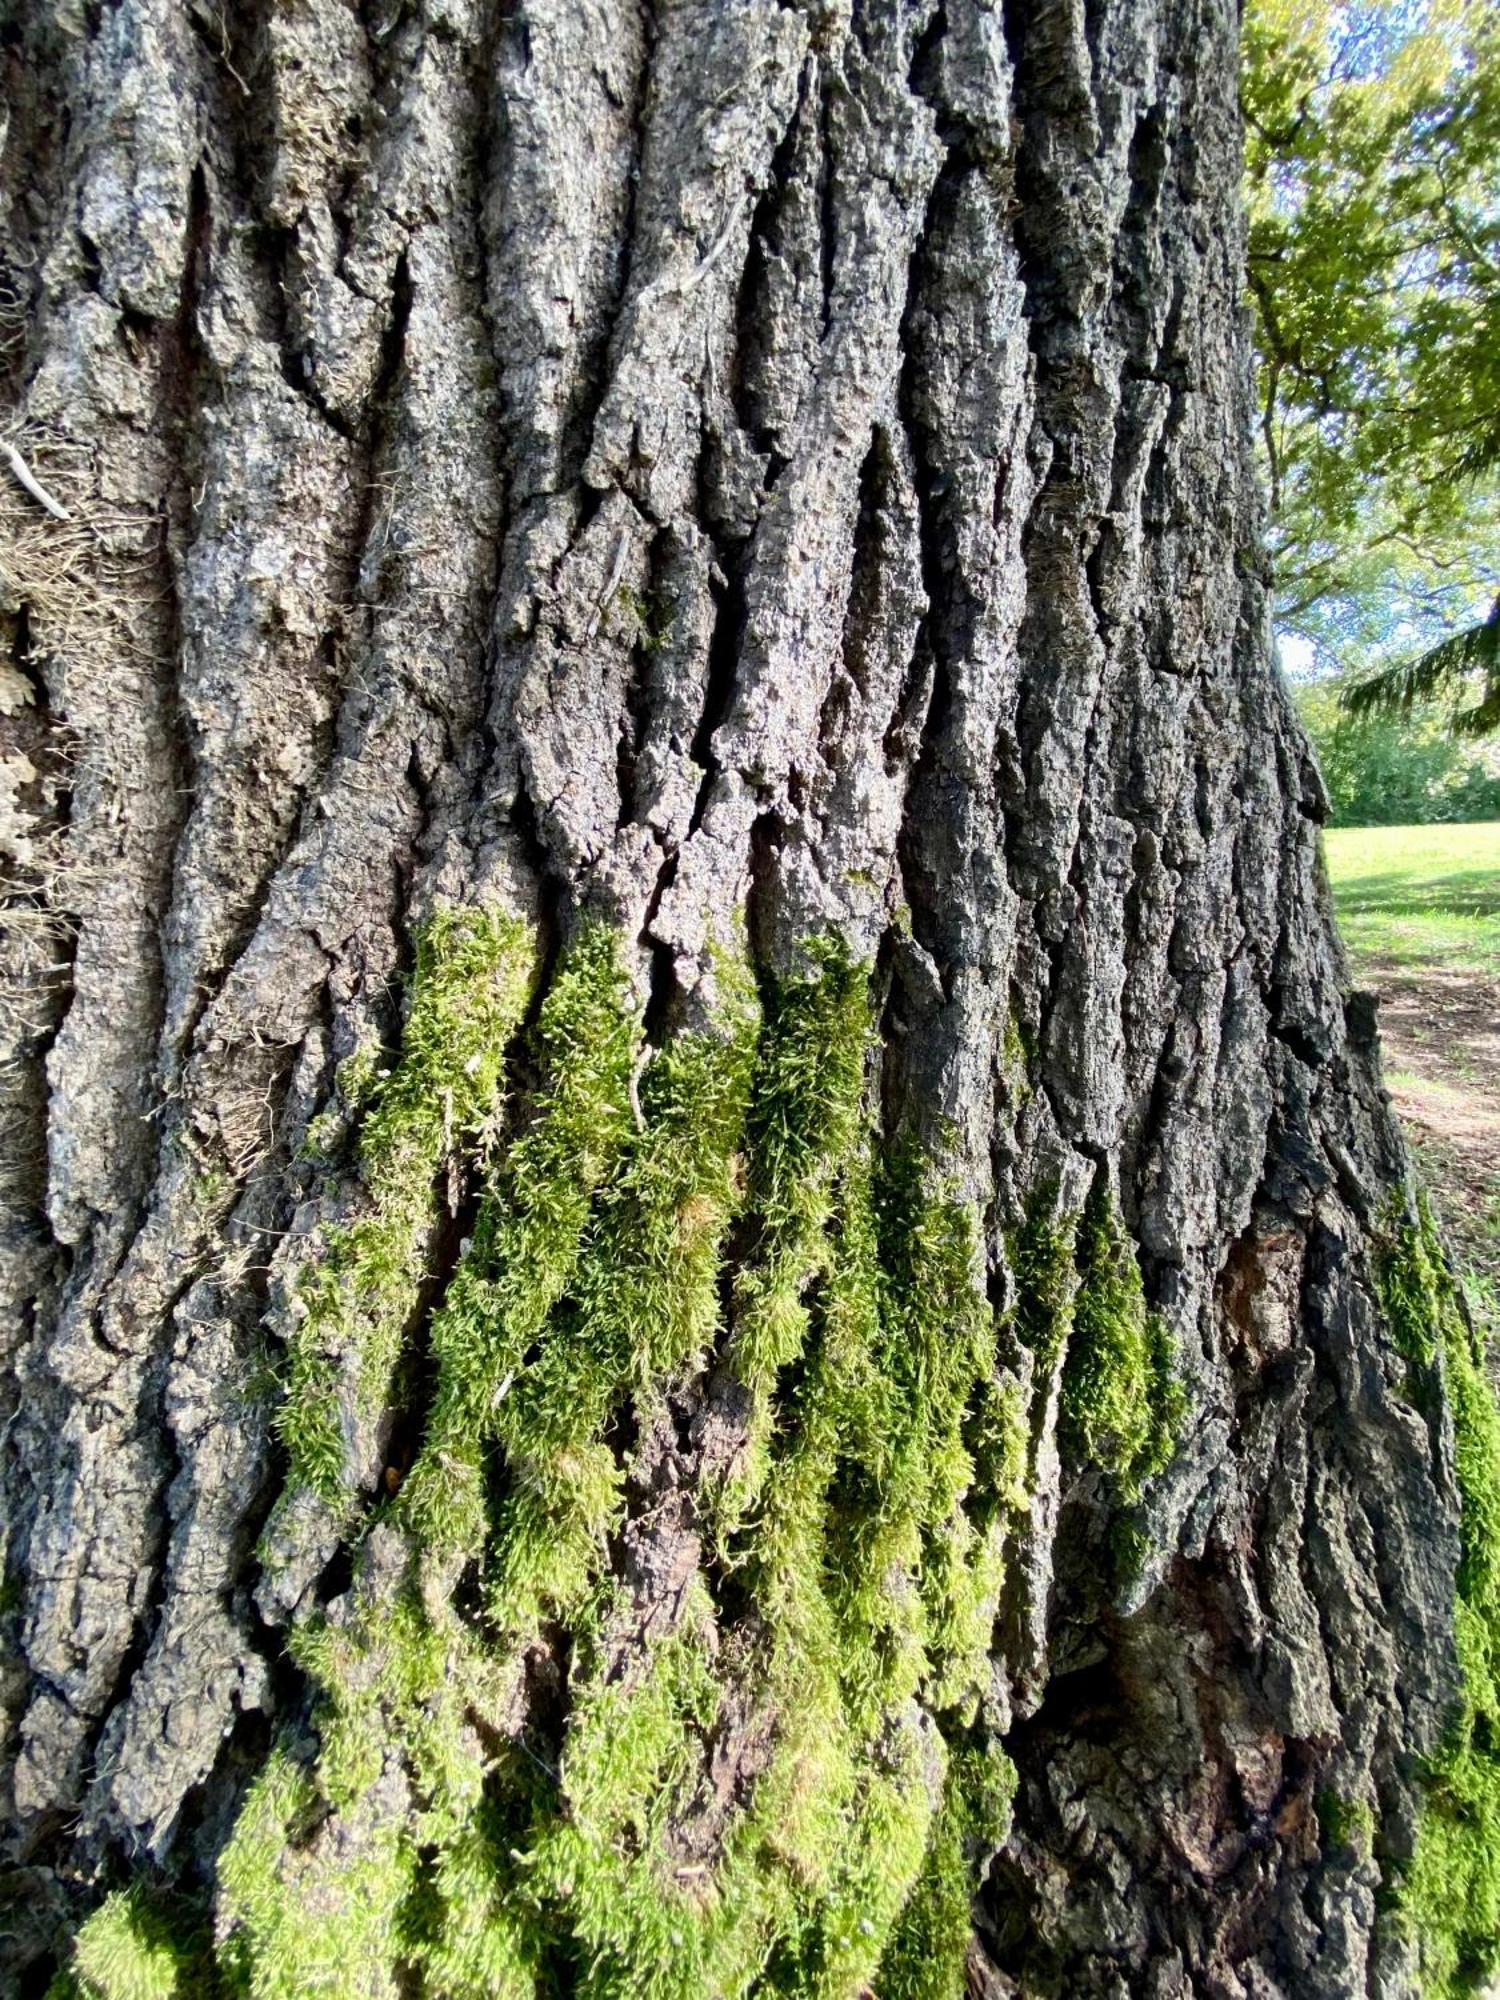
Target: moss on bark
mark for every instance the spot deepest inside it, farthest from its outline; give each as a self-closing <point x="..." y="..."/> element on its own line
<point x="842" y="1567"/>
<point x="1450" y="1891"/>
<point x="473" y="974"/>
<point x="841" y="1559"/>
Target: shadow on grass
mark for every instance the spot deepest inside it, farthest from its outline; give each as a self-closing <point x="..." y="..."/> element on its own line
<point x="1473" y="892"/>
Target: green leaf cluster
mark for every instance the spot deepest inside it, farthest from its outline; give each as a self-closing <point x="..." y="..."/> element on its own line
<point x="1373" y="136"/>
<point x="1382" y="770"/>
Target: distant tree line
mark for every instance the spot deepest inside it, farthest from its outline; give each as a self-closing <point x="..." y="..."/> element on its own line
<point x="1391" y="770"/>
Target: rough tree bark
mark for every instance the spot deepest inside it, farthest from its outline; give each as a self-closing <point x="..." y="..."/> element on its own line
<point x="549" y="504"/>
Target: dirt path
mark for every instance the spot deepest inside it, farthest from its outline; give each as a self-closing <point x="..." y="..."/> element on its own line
<point x="1441" y="1031"/>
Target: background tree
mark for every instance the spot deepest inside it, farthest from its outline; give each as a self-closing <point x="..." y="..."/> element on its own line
<point x="1383" y="770"/>
<point x="711" y="1289"/>
<point x="1465" y="665"/>
<point x="1373" y="133"/>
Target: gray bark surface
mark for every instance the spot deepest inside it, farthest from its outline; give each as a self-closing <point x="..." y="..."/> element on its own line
<point x="386" y="359"/>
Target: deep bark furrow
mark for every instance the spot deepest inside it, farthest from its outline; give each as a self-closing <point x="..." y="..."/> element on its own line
<point x="416" y="681"/>
<point x="107" y="645"/>
<point x="180" y="1213"/>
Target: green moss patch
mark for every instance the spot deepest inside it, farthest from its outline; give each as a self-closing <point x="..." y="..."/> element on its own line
<point x="1450" y="1894"/>
<point x="1345" y="1826"/>
<point x="1045" y="1276"/>
<point x="1122" y="1402"/>
<point x="132" y="1949"/>
<point x="1079" y="1301"/>
<point x="713" y="1218"/>
<point x="473" y="974"/>
<point x="927" y="1953"/>
<point x="535" y="1225"/>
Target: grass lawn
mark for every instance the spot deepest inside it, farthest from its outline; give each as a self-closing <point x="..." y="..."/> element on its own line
<point x="1420" y="895"/>
<point x="1419" y="908"/>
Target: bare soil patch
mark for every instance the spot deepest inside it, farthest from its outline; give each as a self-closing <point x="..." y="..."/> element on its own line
<point x="1441" y="1034"/>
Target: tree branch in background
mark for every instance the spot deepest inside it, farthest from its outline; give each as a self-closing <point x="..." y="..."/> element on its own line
<point x="1374" y="274"/>
<point x="1446" y="668"/>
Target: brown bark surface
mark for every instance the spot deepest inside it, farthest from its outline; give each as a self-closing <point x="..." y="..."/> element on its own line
<point x="651" y="463"/>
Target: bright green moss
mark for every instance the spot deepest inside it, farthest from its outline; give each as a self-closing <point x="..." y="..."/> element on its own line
<point x="1122" y="1403"/>
<point x="129" y="1950"/>
<point x="642" y="1918"/>
<point x="593" y="1272"/>
<point x="528" y="1240"/>
<point x="645" y="1306"/>
<point x="473" y="974"/>
<point x="311" y="1919"/>
<point x="929" y="1947"/>
<point x="1041" y="1253"/>
<point x="1345" y="1825"/>
<point x="1414" y="1287"/>
<point x="1451" y="1892"/>
<point x="805" y="1125"/>
<point x="867" y="1300"/>
<point x="377" y="1857"/>
<point x="407" y="1671"/>
<point x="876" y="1559"/>
<point x="474" y="1930"/>
<point x="855" y="1538"/>
<point x="938" y="1357"/>
<point x="1079" y="1300"/>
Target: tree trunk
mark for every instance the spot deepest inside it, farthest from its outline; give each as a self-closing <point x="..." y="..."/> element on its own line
<point x="693" y="1186"/>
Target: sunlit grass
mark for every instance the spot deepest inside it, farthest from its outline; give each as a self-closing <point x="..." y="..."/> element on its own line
<point x="1426" y="897"/>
